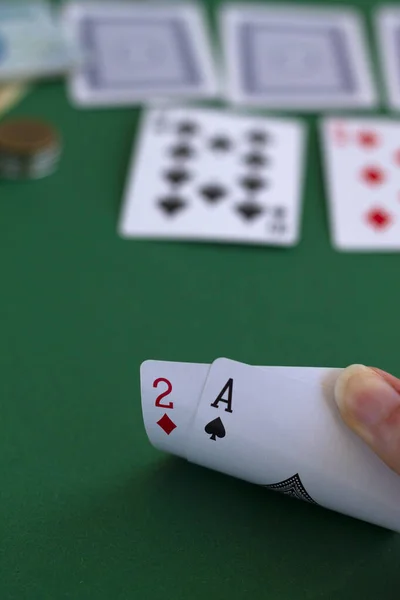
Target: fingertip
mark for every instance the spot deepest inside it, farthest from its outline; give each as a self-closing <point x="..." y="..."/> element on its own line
<point x="343" y="383"/>
<point x="369" y="404"/>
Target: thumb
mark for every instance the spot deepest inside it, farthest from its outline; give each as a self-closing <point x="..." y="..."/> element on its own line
<point x="369" y="403"/>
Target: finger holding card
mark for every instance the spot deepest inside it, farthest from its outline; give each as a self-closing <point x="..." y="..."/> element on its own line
<point x="278" y="427"/>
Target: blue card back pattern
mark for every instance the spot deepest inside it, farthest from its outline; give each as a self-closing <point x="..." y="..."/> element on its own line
<point x="182" y="71"/>
<point x="331" y="40"/>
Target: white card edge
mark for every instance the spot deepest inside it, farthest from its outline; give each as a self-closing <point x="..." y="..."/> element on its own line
<point x="385" y="55"/>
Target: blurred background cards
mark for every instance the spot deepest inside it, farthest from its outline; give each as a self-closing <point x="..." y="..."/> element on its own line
<point x="32" y="42"/>
<point x="135" y="51"/>
<point x="296" y="57"/>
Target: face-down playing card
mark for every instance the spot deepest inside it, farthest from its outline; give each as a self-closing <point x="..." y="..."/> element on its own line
<point x="388" y="35"/>
<point x="362" y="171"/>
<point x="295" y="57"/>
<point x="278" y="427"/>
<point x="138" y="51"/>
<point x="200" y="174"/>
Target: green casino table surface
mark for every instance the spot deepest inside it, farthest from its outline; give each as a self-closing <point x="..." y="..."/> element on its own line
<point x="88" y="509"/>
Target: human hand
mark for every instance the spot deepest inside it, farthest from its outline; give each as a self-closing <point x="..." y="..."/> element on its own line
<point x="369" y="402"/>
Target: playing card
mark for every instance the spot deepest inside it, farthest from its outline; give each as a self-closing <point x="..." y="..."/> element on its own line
<point x="200" y="174"/>
<point x="362" y="170"/>
<point x="279" y="427"/>
<point x="295" y="57"/>
<point x="170" y="393"/>
<point x="388" y="34"/>
<point x="138" y="51"/>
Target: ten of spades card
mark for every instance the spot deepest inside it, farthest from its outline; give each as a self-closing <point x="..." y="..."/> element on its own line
<point x="209" y="175"/>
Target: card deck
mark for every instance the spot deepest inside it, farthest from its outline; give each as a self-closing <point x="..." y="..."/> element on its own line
<point x="138" y="51"/>
<point x="388" y="35"/>
<point x="295" y="57"/>
<point x="207" y="175"/>
<point x="277" y="427"/>
<point x="362" y="169"/>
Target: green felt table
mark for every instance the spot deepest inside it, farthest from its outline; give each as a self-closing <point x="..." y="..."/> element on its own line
<point x="88" y="509"/>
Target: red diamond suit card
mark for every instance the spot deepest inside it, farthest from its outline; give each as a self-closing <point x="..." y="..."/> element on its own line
<point x="362" y="169"/>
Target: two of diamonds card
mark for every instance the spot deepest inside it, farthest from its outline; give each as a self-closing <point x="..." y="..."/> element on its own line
<point x="201" y="174"/>
<point x="290" y="56"/>
<point x="362" y="169"/>
<point x="137" y="51"/>
<point x="277" y="427"/>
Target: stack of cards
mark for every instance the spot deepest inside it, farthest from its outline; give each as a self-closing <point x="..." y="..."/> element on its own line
<point x="206" y="175"/>
<point x="277" y="427"/>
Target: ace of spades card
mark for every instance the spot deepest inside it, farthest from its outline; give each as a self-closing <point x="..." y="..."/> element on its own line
<point x="292" y="486"/>
<point x="209" y="175"/>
